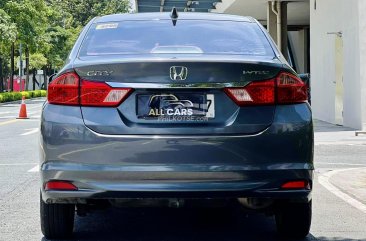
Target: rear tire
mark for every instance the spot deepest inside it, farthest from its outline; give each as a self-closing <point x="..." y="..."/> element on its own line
<point x="293" y="220"/>
<point x="57" y="220"/>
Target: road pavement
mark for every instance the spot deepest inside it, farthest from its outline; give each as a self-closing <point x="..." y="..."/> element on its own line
<point x="337" y="199"/>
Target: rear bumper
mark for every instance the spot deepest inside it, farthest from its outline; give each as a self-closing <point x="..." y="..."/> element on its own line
<point x="110" y="181"/>
<point x="91" y="188"/>
<point x="105" y="166"/>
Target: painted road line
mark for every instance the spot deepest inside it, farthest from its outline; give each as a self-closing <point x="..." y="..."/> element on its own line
<point x="13" y="108"/>
<point x="359" y="142"/>
<point x="34" y="169"/>
<point x="31" y="119"/>
<point x="34" y="111"/>
<point x="31" y="110"/>
<point x="30" y="131"/>
<point x="324" y="181"/>
<point x="18" y="164"/>
<point x="6" y="112"/>
<point x="16" y="116"/>
<point x="35" y="106"/>
<point x="8" y="117"/>
<point x="341" y="163"/>
<point x="17" y="112"/>
<point x="8" y="122"/>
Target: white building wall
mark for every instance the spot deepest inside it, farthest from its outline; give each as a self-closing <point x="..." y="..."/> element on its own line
<point x="362" y="64"/>
<point x="335" y="16"/>
<point x="297" y="40"/>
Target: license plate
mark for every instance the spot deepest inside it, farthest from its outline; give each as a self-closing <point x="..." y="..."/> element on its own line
<point x="175" y="105"/>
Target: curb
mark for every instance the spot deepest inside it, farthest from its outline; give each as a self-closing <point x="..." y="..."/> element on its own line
<point x="348" y="184"/>
<point x="352" y="182"/>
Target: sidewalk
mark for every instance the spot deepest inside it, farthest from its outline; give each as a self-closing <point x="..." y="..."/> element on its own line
<point x="351" y="181"/>
<point x="330" y="134"/>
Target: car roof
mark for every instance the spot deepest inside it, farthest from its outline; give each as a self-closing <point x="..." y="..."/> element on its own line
<point x="166" y="15"/>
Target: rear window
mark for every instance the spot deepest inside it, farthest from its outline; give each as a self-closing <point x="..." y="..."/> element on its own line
<point x="187" y="37"/>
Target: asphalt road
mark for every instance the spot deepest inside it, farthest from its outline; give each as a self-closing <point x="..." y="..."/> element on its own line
<point x="333" y="218"/>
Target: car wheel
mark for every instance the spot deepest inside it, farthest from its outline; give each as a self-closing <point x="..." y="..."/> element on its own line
<point x="294" y="219"/>
<point x="57" y="220"/>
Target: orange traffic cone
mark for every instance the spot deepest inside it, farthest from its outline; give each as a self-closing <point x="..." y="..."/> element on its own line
<point x="23" y="110"/>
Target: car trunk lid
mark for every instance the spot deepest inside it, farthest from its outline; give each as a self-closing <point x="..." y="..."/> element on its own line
<point x="177" y="96"/>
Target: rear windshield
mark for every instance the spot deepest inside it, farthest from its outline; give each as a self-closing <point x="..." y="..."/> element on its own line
<point x="187" y="37"/>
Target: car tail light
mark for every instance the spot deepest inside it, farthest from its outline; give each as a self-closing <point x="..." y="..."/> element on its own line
<point x="64" y="90"/>
<point x="256" y="93"/>
<point x="100" y="94"/>
<point x="69" y="89"/>
<point x="60" y="185"/>
<point x="296" y="185"/>
<point x="290" y="89"/>
<point x="286" y="88"/>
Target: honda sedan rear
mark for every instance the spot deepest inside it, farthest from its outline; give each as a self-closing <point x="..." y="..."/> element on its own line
<point x="198" y="107"/>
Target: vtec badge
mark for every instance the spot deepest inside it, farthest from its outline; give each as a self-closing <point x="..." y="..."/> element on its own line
<point x="256" y="72"/>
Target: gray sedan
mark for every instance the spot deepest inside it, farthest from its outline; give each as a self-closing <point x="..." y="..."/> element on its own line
<point x="165" y="110"/>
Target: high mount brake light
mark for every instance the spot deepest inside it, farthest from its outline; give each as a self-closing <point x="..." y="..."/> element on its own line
<point x="286" y="88"/>
<point x="69" y="89"/>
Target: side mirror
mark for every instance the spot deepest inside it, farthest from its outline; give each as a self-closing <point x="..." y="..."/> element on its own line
<point x="51" y="77"/>
<point x="306" y="79"/>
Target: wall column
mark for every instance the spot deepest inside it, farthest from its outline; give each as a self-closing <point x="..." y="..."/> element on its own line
<point x="277" y="24"/>
<point x="272" y="21"/>
<point x="284" y="38"/>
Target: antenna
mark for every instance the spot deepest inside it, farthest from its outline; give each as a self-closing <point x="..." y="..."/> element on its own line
<point x="174" y="15"/>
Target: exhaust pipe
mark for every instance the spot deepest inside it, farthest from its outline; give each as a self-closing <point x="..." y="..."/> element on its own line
<point x="255" y="203"/>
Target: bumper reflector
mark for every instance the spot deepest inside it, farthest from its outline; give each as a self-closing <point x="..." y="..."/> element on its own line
<point x="60" y="185"/>
<point x="296" y="185"/>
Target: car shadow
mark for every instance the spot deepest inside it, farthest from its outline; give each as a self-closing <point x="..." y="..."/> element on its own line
<point x="322" y="126"/>
<point x="175" y="225"/>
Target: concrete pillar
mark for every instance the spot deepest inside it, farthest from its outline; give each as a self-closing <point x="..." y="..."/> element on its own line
<point x="271" y="22"/>
<point x="284" y="42"/>
<point x="277" y="24"/>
